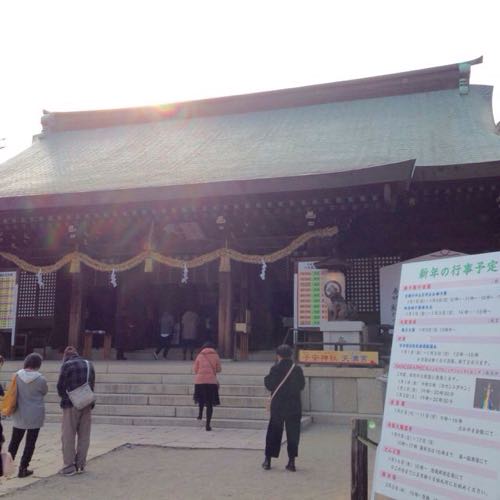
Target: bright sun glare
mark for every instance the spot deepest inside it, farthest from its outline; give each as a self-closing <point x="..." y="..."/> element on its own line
<point x="60" y="55"/>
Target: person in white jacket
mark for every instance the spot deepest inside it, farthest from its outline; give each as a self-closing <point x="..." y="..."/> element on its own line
<point x="30" y="411"/>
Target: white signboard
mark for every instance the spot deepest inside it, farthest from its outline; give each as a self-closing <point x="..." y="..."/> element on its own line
<point x="441" y="427"/>
<point x="389" y="284"/>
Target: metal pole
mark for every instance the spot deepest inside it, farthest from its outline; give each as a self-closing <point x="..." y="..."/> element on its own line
<point x="359" y="460"/>
<point x="294" y="337"/>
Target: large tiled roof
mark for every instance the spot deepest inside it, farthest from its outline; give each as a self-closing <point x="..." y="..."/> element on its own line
<point x="436" y="127"/>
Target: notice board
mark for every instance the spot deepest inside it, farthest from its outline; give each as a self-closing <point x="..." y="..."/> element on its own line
<point x="441" y="428"/>
<point x="317" y="292"/>
<point x="8" y="299"/>
<point x="390" y="276"/>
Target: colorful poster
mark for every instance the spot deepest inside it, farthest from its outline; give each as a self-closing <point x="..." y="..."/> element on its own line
<point x="8" y="298"/>
<point x="319" y="295"/>
<point x="310" y="307"/>
<point x="441" y="427"/>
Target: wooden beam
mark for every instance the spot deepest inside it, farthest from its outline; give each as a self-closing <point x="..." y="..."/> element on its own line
<point x="225" y="333"/>
<point x="75" y="311"/>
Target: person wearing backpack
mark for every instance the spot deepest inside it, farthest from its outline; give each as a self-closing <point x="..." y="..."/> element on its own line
<point x="29" y="414"/>
<point x="285" y="381"/>
<point x="75" y="373"/>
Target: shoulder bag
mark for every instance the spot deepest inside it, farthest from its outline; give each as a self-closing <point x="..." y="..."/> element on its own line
<point x="270" y="398"/>
<point x="82" y="396"/>
<point x="9" y="403"/>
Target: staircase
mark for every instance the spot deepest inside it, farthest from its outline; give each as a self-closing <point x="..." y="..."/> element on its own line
<point x="157" y="393"/>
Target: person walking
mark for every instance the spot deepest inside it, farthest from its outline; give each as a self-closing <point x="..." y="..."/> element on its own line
<point x="29" y="415"/>
<point x="75" y="372"/>
<point x="206" y="387"/>
<point x="189" y="332"/>
<point x="167" y="324"/>
<point x="285" y="381"/>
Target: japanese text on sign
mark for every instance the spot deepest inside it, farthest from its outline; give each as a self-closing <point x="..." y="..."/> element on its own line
<point x="441" y="429"/>
<point x="363" y="358"/>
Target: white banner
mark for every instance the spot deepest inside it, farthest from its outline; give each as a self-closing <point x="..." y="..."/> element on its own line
<point x="441" y="427"/>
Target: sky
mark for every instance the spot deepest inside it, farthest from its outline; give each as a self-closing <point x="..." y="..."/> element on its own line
<point x="67" y="55"/>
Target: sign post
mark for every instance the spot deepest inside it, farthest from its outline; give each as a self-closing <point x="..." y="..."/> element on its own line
<point x="441" y="427"/>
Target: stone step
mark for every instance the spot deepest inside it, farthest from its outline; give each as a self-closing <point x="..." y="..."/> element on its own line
<point x="169" y="411"/>
<point x="220" y="423"/>
<point x="146" y="367"/>
<point x="147" y="354"/>
<point x="133" y="388"/>
<point x="268" y="356"/>
<point x="160" y="393"/>
<point x="166" y="400"/>
<point x="173" y="389"/>
<point x="158" y="378"/>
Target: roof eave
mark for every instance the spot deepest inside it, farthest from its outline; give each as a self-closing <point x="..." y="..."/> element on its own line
<point x="395" y="172"/>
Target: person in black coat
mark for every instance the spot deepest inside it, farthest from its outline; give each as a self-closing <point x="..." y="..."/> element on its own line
<point x="286" y="407"/>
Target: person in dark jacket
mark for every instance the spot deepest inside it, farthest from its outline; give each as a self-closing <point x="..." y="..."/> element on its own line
<point x="167" y="324"/>
<point x="286" y="407"/>
<point x="74" y="422"/>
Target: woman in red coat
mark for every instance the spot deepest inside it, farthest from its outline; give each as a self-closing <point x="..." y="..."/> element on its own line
<point x="206" y="387"/>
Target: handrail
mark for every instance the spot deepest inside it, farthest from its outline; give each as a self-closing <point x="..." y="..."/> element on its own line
<point x="285" y="339"/>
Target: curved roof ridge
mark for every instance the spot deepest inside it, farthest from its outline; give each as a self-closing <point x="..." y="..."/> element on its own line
<point x="408" y="82"/>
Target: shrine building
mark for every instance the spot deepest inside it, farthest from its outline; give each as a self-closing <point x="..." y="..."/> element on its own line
<point x="112" y="216"/>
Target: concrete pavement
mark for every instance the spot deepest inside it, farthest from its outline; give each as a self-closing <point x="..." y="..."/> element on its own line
<point x="187" y="463"/>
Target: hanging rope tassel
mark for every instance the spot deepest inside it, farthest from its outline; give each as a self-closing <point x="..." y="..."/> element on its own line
<point x="185" y="273"/>
<point x="263" y="270"/>
<point x="39" y="279"/>
<point x="113" y="279"/>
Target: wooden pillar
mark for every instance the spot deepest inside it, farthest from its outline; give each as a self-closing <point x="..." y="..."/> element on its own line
<point x="75" y="310"/>
<point x="244" y="296"/>
<point x="225" y="333"/>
